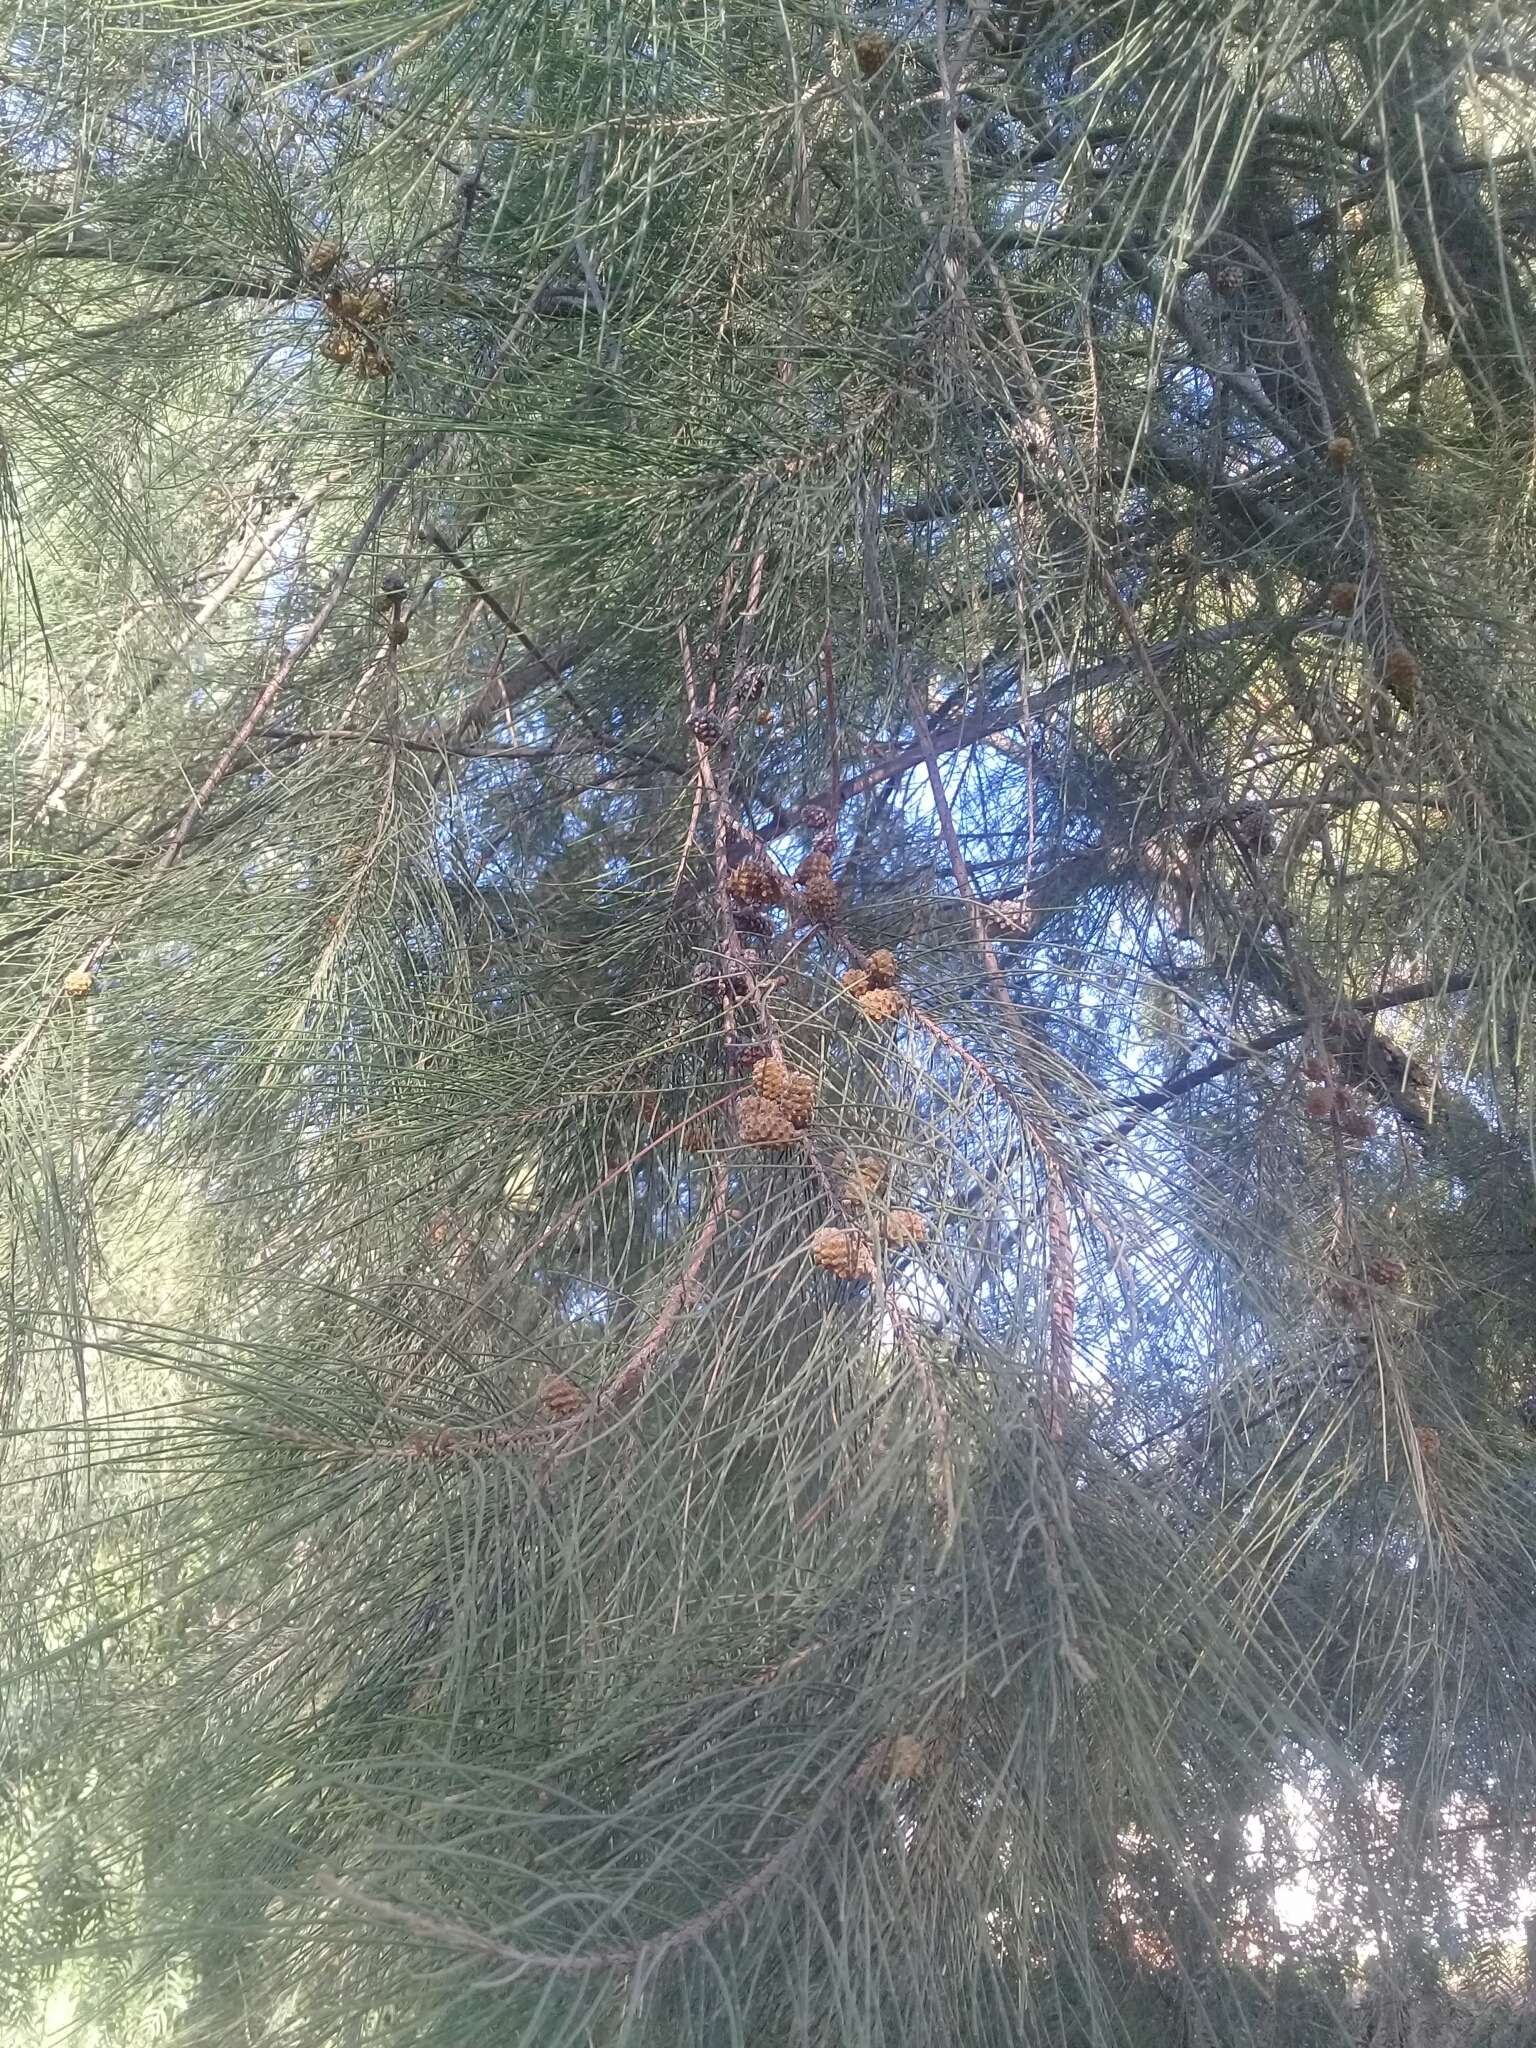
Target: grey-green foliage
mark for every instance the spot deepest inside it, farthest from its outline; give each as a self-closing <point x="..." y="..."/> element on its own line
<point x="1088" y="450"/>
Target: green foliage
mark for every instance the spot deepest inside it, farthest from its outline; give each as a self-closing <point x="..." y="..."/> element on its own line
<point x="469" y="1573"/>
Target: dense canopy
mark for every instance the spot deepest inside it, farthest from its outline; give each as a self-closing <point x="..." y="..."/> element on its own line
<point x="765" y="1002"/>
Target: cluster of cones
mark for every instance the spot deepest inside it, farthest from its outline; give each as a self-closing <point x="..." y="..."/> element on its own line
<point x="1329" y="1101"/>
<point x="758" y="889"/>
<point x="781" y="1106"/>
<point x="1353" y="1292"/>
<point x="356" y="316"/>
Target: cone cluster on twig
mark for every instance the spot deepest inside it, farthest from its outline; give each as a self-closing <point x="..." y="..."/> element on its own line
<point x="787" y="1089"/>
<point x="1329" y="1101"/>
<point x="357" y="321"/>
<point x="873" y="987"/>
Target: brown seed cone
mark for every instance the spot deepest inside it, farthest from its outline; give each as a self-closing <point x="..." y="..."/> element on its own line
<point x="814" y="864"/>
<point x="825" y="842"/>
<point x="882" y="1005"/>
<point x="1347" y="1294"/>
<point x="756" y="881"/>
<point x="1317" y="1067"/>
<point x="905" y="1227"/>
<point x="764" y="721"/>
<point x="843" y="1252"/>
<point x="337" y="348"/>
<point x="815" y="818"/>
<point x="397" y="631"/>
<point x="770" y="1077"/>
<point x="786" y="1088"/>
<point x="862" y="1181"/>
<point x="1015" y="920"/>
<point x="321" y="258"/>
<point x="373" y="309"/>
<point x="1318" y="1102"/>
<point x="1342" y="598"/>
<point x="1251" y="829"/>
<point x="707" y="727"/>
<point x="822" y="900"/>
<point x="1341" y="451"/>
<point x="764" y="1123"/>
<point x="1386" y="1272"/>
<point x="871" y="52"/>
<point x="560" y="1396"/>
<point x="894" y="1759"/>
<point x="751" y="922"/>
<point x="854" y="981"/>
<point x="881" y="968"/>
<point x="78" y="982"/>
<point x="1429" y="1442"/>
<point x="1400" y="676"/>
<point x="1355" y="1123"/>
<point x="797" y="910"/>
<point x="798" y="1101"/>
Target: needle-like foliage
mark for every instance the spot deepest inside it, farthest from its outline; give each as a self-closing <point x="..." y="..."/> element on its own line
<point x="767" y="976"/>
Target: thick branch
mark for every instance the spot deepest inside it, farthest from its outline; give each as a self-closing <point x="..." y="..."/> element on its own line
<point x="1368" y="1006"/>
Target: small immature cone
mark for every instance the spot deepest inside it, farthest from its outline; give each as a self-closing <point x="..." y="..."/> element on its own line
<point x="560" y="1396"/>
<point x="78" y="982"/>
